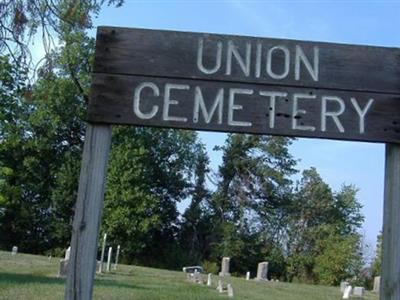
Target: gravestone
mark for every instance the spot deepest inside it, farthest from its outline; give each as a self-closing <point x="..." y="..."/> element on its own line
<point x="209" y="279"/>
<point x="347" y="292"/>
<point x="103" y="249"/>
<point x="220" y="287"/>
<point x="230" y="290"/>
<point x="116" y="257"/>
<point x="67" y="253"/>
<point x="377" y="284"/>
<point x="262" y="271"/>
<point x="359" y="291"/>
<point x="343" y="286"/>
<point x="63" y="268"/>
<point x="14" y="250"/>
<point x="248" y="275"/>
<point x="109" y="259"/>
<point x="225" y="267"/>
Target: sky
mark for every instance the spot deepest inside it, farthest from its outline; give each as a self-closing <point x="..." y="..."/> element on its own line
<point x="354" y="22"/>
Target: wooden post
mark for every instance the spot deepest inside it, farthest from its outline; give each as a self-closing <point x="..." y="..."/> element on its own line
<point x="390" y="280"/>
<point x="88" y="213"/>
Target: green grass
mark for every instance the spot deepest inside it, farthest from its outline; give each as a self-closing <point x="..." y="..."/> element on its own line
<point x="34" y="277"/>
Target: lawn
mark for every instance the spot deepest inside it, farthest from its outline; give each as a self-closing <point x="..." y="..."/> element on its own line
<point x="33" y="277"/>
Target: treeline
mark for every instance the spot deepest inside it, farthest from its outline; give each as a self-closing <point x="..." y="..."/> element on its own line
<point x="250" y="210"/>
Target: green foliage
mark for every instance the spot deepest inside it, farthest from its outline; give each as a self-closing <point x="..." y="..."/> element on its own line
<point x="377" y="262"/>
<point x="210" y="267"/>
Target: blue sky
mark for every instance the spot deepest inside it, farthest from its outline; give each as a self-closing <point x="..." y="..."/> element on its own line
<point x="354" y="22"/>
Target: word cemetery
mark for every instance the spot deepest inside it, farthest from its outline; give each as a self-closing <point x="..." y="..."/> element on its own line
<point x="229" y="83"/>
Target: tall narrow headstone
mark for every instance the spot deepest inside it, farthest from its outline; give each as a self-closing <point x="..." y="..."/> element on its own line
<point x="209" y="280"/>
<point x="116" y="257"/>
<point x="262" y="271"/>
<point x="109" y="259"/>
<point x="14" y="250"/>
<point x="230" y="290"/>
<point x="377" y="284"/>
<point x="248" y="275"/>
<point x="103" y="249"/>
<point x="67" y="253"/>
<point x="347" y="292"/>
<point x="225" y="267"/>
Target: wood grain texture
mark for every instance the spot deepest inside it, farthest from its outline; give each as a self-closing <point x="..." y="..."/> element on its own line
<point x="112" y="102"/>
<point x="88" y="213"/>
<point x="390" y="280"/>
<point x="162" y="53"/>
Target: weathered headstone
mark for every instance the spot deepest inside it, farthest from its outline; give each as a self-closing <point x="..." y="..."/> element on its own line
<point x="225" y="267"/>
<point x="116" y="257"/>
<point x="230" y="290"/>
<point x="262" y="271"/>
<point x="248" y="275"/>
<point x="343" y="286"/>
<point x="109" y="259"/>
<point x="220" y="287"/>
<point x="63" y="268"/>
<point x="14" y="250"/>
<point x="347" y="292"/>
<point x="359" y="291"/>
<point x="103" y="249"/>
<point x="377" y="284"/>
<point x="67" y="253"/>
<point x="209" y="279"/>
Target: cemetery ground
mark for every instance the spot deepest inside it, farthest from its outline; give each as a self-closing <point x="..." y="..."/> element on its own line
<point x="26" y="276"/>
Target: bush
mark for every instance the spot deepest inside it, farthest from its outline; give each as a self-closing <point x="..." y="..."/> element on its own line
<point x="210" y="267"/>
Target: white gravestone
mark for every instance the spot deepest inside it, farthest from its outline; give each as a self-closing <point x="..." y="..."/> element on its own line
<point x="116" y="257"/>
<point x="248" y="275"/>
<point x="225" y="267"/>
<point x="209" y="280"/>
<point x="14" y="250"/>
<point x="359" y="291"/>
<point x="109" y="259"/>
<point x="220" y="288"/>
<point x="67" y="253"/>
<point x="377" y="284"/>
<point x="230" y="291"/>
<point x="347" y="292"/>
<point x="343" y="286"/>
<point x="262" y="271"/>
<point x="103" y="250"/>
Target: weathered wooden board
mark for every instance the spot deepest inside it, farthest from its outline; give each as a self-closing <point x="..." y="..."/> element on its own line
<point x="244" y="108"/>
<point x="214" y="57"/>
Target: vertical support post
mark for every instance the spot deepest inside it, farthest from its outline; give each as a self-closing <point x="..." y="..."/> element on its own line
<point x="88" y="211"/>
<point x="390" y="280"/>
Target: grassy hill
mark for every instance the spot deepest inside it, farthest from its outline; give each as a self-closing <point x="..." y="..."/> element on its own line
<point x="33" y="277"/>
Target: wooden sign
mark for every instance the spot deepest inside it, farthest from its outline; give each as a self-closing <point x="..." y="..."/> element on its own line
<point x="236" y="84"/>
<point x="244" y="84"/>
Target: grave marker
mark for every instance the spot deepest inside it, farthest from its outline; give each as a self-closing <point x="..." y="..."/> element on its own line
<point x="262" y="271"/>
<point x="109" y="257"/>
<point x="225" y="267"/>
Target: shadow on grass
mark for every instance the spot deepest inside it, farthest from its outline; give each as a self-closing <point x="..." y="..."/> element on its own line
<point x="12" y="278"/>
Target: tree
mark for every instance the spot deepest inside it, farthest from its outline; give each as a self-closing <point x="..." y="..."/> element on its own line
<point x="42" y="124"/>
<point x="251" y="197"/>
<point x="323" y="241"/>
<point x="150" y="171"/>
